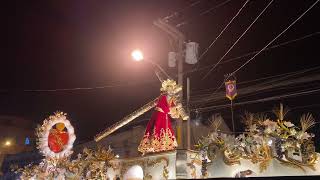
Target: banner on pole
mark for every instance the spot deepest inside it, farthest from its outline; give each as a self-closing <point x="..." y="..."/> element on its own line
<point x="231" y="90"/>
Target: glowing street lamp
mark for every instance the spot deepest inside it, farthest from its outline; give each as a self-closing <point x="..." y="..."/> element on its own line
<point x="137" y="55"/>
<point x="7" y="143"/>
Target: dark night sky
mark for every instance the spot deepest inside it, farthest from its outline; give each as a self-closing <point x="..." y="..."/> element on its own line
<point x="77" y="43"/>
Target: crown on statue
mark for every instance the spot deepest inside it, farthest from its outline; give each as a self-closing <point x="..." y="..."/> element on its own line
<point x="169" y="83"/>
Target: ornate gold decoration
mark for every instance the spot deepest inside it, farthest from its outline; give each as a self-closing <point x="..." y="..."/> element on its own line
<point x="170" y="86"/>
<point x="266" y="157"/>
<point x="191" y="165"/>
<point x="115" y="166"/>
<point x="264" y="140"/>
<point x="290" y="164"/>
<point x="165" y="172"/>
<point x="178" y="111"/>
<point x="231" y="158"/>
<point x="153" y="143"/>
<point x="306" y="121"/>
<point x="147" y="177"/>
<point x="88" y="165"/>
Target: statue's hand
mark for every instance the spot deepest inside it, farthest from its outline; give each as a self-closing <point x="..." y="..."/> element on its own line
<point x="174" y="112"/>
<point x="178" y="111"/>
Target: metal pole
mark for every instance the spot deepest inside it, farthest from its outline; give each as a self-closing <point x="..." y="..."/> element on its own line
<point x="232" y="116"/>
<point x="188" y="122"/>
<point x="180" y="82"/>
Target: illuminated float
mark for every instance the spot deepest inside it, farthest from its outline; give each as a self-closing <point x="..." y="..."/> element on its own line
<point x="268" y="147"/>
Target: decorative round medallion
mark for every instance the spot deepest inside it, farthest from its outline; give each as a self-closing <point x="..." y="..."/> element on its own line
<point x="56" y="136"/>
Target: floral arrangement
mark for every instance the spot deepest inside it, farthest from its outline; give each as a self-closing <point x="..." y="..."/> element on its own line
<point x="88" y="165"/>
<point x="263" y="140"/>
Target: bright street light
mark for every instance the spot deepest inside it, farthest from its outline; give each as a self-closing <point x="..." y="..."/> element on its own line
<point x="137" y="55"/>
<point x="7" y="143"/>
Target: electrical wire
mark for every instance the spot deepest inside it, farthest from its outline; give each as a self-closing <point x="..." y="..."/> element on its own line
<point x="254" y="52"/>
<point x="210" y="96"/>
<point x="210" y="108"/>
<point x="254" y="89"/>
<point x="272" y="47"/>
<point x="220" y="96"/>
<point x="249" y="92"/>
<point x="270" y="42"/>
<point x="215" y="40"/>
<point x="202" y="13"/>
<point x="81" y="88"/>
<point x="176" y="13"/>
<point x="207" y="74"/>
<point x="276" y="37"/>
<point x="119" y="85"/>
<point x="284" y="75"/>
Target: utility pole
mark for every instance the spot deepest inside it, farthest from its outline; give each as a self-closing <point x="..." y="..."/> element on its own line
<point x="179" y="40"/>
<point x="188" y="122"/>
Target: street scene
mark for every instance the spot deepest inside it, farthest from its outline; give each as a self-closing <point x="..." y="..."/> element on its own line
<point x="150" y="89"/>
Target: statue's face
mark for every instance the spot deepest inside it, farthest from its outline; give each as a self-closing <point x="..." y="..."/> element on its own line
<point x="170" y="90"/>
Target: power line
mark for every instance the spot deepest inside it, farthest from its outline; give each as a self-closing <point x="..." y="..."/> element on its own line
<point x="219" y="96"/>
<point x="207" y="99"/>
<point x="206" y="75"/>
<point x="254" y="52"/>
<point x="176" y="13"/>
<point x="119" y="85"/>
<point x="214" y="41"/>
<point x="275" y="37"/>
<point x="259" y="100"/>
<point x="258" y="90"/>
<point x="270" y="42"/>
<point x="306" y="106"/>
<point x="81" y="88"/>
<point x="283" y="75"/>
<point x="272" y="47"/>
<point x="203" y="13"/>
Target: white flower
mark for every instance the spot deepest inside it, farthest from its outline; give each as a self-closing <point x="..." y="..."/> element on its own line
<point x="288" y="124"/>
<point x="268" y="131"/>
<point x="224" y="136"/>
<point x="258" y="139"/>
<point x="270" y="126"/>
<point x="303" y="136"/>
<point x="293" y="131"/>
<point x="253" y="128"/>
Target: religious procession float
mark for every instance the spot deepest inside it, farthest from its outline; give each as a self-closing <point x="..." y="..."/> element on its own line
<point x="268" y="147"/>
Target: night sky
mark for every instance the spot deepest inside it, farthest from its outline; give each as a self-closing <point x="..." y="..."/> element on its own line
<point x="58" y="44"/>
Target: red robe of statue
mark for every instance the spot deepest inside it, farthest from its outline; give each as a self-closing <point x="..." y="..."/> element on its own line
<point x="57" y="140"/>
<point x="159" y="135"/>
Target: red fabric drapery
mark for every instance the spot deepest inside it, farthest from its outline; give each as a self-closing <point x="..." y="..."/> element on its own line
<point x="159" y="135"/>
